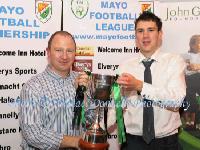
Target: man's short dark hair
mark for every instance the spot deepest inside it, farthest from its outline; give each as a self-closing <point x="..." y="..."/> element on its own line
<point x="64" y="33"/>
<point x="149" y="16"/>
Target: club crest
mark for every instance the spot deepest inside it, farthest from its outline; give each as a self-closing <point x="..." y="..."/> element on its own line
<point x="43" y="10"/>
<point x="147" y="6"/>
<point x="79" y="8"/>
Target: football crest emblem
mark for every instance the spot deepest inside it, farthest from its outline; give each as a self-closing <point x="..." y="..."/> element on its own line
<point x="147" y="6"/>
<point x="43" y="10"/>
<point x="79" y="8"/>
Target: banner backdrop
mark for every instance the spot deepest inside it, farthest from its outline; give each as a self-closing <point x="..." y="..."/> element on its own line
<point x="25" y="27"/>
<point x="104" y="32"/>
<point x="181" y="22"/>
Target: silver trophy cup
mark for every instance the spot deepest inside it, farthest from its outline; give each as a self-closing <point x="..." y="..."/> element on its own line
<point x="99" y="90"/>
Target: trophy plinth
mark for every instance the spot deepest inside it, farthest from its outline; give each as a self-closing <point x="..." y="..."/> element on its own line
<point x="95" y="138"/>
<point x="90" y="146"/>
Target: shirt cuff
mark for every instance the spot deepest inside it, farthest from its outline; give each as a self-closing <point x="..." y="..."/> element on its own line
<point x="146" y="90"/>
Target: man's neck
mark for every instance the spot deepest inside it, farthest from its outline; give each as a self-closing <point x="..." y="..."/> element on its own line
<point x="62" y="74"/>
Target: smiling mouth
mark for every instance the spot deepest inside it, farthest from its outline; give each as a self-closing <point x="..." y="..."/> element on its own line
<point x="65" y="62"/>
<point x="146" y="43"/>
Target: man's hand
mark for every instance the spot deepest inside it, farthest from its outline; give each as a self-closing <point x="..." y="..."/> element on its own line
<point x="82" y="79"/>
<point x="70" y="141"/>
<point x="129" y="82"/>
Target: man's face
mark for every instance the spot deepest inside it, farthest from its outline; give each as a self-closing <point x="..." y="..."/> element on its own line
<point x="61" y="54"/>
<point x="148" y="38"/>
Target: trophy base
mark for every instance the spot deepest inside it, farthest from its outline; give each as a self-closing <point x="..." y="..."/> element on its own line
<point x="90" y="146"/>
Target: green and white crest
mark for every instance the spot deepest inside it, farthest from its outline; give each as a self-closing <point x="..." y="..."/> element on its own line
<point x="43" y="10"/>
<point x="79" y="8"/>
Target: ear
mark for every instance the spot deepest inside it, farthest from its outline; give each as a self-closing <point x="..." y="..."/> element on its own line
<point x="160" y="34"/>
<point x="48" y="51"/>
<point x="136" y="42"/>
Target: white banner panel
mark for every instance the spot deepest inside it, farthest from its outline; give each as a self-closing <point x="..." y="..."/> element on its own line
<point x="181" y="21"/>
<point x="104" y="32"/>
<point x="25" y="27"/>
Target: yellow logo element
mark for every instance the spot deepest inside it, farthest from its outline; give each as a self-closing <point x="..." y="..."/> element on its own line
<point x="85" y="51"/>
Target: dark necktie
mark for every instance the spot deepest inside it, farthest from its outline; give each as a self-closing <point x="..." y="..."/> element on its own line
<point x="148" y="116"/>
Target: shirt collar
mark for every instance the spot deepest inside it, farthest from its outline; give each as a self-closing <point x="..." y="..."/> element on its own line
<point x="53" y="74"/>
<point x="155" y="56"/>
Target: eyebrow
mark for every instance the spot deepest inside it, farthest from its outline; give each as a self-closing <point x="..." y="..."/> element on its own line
<point x="61" y="48"/>
<point x="150" y="28"/>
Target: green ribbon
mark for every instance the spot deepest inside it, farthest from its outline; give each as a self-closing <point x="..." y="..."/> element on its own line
<point x="198" y="100"/>
<point x="83" y="115"/>
<point x="119" y="113"/>
<point x="188" y="141"/>
<point x="83" y="120"/>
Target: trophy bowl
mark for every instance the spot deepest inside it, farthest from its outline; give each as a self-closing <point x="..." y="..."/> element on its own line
<point x="100" y="86"/>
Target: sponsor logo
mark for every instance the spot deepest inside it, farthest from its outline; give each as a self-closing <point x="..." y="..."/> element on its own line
<point x="79" y="8"/>
<point x="84" y="51"/>
<point x="179" y="13"/>
<point x="147" y="6"/>
<point x="43" y="10"/>
<point x="81" y="65"/>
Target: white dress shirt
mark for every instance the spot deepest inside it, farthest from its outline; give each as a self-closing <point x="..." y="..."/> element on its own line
<point x="167" y="88"/>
